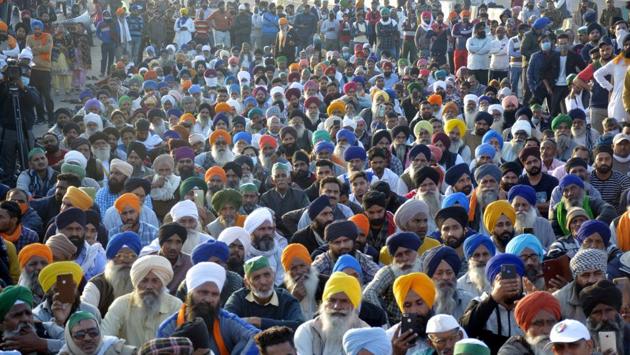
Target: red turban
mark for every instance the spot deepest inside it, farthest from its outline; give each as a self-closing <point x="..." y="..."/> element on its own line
<point x="529" y="306"/>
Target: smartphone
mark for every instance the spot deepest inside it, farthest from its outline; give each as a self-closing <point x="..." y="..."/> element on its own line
<point x="557" y="266"/>
<point x="607" y="341"/>
<point x="508" y="271"/>
<point x="65" y="289"/>
<point x="198" y="197"/>
<point x="409" y="322"/>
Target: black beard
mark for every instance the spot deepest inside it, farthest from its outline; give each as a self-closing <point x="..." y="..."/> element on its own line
<point x="301" y="174"/>
<point x="626" y="54"/>
<point x="319" y="228"/>
<point x="480" y="131"/>
<point x="204" y="311"/>
<point x="603" y="169"/>
<point x="421" y="324"/>
<point x="78" y="242"/>
<point x="53" y="149"/>
<point x="115" y="187"/>
<point x="377" y="222"/>
<point x="504" y="238"/>
<point x="534" y="171"/>
<point x="455" y="242"/>
<point x="186" y="172"/>
<point x="505" y="186"/>
<point x="467" y="190"/>
<point x="512" y="300"/>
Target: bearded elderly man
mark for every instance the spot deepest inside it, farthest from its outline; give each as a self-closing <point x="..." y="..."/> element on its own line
<point x="574" y="195"/>
<point x="521" y="130"/>
<point x="119" y="172"/>
<point x="339" y="312"/>
<point x="478" y="249"/>
<point x="265" y="240"/>
<point x="530" y="251"/>
<point x="226" y="204"/>
<point x="427" y="180"/>
<point x="456" y="130"/>
<point x="561" y="126"/>
<point x="137" y="315"/>
<point x="301" y="279"/>
<point x="499" y="220"/>
<point x="101" y="290"/>
<point x="230" y="334"/>
<point x="523" y="200"/>
<point x="588" y="266"/>
<point x="487" y="177"/>
<point x="535" y="314"/>
<point x="595" y="234"/>
<point x="443" y="265"/>
<point x="602" y="305"/>
<point x="33" y="258"/>
<point x="128" y="206"/>
<point x="403" y="246"/>
<point x="220" y="152"/>
<point x="20" y="332"/>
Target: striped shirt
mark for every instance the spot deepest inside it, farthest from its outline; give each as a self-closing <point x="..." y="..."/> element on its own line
<point x="612" y="187"/>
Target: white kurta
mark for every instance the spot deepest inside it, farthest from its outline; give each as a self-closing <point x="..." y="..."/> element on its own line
<point x="183" y="31"/>
<point x="618" y="73"/>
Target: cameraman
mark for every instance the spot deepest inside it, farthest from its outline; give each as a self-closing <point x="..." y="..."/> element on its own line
<point x="15" y="77"/>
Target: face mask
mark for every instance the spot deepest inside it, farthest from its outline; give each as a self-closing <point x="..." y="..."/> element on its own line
<point x="26" y="80"/>
<point x="481" y="34"/>
<point x="545" y="46"/>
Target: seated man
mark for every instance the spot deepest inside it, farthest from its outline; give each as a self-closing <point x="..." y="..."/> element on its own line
<point x="443" y="331"/>
<point x="260" y="303"/>
<point x="226" y="204"/>
<point x="171" y="237"/>
<point x="20" y="331"/>
<point x="276" y="340"/>
<point x="129" y="206"/>
<point x="230" y="334"/>
<point x="301" y="279"/>
<point x="33" y="258"/>
<point x="101" y="290"/>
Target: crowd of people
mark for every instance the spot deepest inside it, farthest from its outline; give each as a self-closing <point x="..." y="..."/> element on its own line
<point x="315" y="178"/>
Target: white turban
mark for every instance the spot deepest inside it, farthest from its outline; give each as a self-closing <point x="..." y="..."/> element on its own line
<point x="160" y="266"/>
<point x="256" y="219"/>
<point x="75" y="157"/>
<point x="408" y="210"/>
<point x="276" y="90"/>
<point x="471" y="97"/>
<point x="243" y="75"/>
<point x="195" y="138"/>
<point x="122" y="166"/>
<point x="522" y="125"/>
<point x="168" y="98"/>
<point x="439" y="84"/>
<point x="495" y="107"/>
<point x="230" y="234"/>
<point x="185" y="208"/>
<point x="93" y="118"/>
<point x="205" y="272"/>
<point x="374" y="340"/>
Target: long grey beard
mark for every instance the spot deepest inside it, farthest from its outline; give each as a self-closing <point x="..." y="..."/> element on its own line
<point x="119" y="278"/>
<point x="487" y="197"/>
<point x="300" y="130"/>
<point x="574" y="202"/>
<point x="31" y="282"/>
<point x="334" y="327"/>
<point x="315" y="118"/>
<point x="525" y="220"/>
<point x="578" y="133"/>
<point x="563" y="142"/>
<point x="455" y="145"/>
<point x="540" y="345"/>
<point x="445" y="299"/>
<point x="101" y="154"/>
<point x="340" y="150"/>
<point x="433" y="200"/>
<point x="308" y="304"/>
<point x="267" y="162"/>
<point x="222" y="157"/>
<point x="470" y="118"/>
<point x="398" y="271"/>
<point x="149" y="304"/>
<point x="516" y="147"/>
<point x="477" y="275"/>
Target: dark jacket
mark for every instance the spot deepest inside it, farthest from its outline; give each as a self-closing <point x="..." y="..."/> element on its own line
<point x="28" y="100"/>
<point x="543" y="66"/>
<point x="287" y="312"/>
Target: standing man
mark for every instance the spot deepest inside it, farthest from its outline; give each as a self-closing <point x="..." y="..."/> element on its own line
<point x="41" y="44"/>
<point x="479" y="47"/>
<point x="461" y="32"/>
<point x="221" y="22"/>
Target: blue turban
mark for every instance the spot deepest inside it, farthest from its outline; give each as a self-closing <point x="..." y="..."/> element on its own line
<point x="347" y="261"/>
<point x="493" y="267"/>
<point x="432" y="258"/>
<point x="243" y="135"/>
<point x="540" y="23"/>
<point x="255" y="111"/>
<point x="174" y="112"/>
<point x="359" y="79"/>
<point x="317" y="206"/>
<point x="523" y="241"/>
<point x="85" y="94"/>
<point x="456" y="199"/>
<point x="126" y="239"/>
<point x="249" y="100"/>
<point x="525" y="191"/>
<point x="474" y="241"/>
<point x="234" y="88"/>
<point x="324" y="146"/>
<point x="420" y="149"/>
<point x="492" y="134"/>
<point x="578" y="114"/>
<point x="591" y="227"/>
<point x="570" y="179"/>
<point x="221" y="116"/>
<point x="37" y="24"/>
<point x="402" y="239"/>
<point x="354" y="152"/>
<point x="373" y="340"/>
<point x="194" y="89"/>
<point x="204" y="251"/>
<point x="347" y="135"/>
<point x="485" y="149"/>
<point x="455" y="172"/>
<point x="485" y="98"/>
<point x="171" y="134"/>
<point x="150" y="85"/>
<point x="162" y="84"/>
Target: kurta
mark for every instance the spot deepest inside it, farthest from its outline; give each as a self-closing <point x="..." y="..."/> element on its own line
<point x="183" y="31"/>
<point x="617" y="69"/>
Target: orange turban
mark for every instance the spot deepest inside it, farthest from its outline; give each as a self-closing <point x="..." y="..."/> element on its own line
<point x="3" y="25"/>
<point x="283" y="21"/>
<point x="529" y="306"/>
<point x="149" y="75"/>
<point x="120" y="11"/>
<point x="187" y="117"/>
<point x="127" y="199"/>
<point x="419" y="283"/>
<point x="494" y="211"/>
<point x="292" y="251"/>
<point x="465" y="13"/>
<point x="34" y="249"/>
<point x="435" y="99"/>
<point x="623" y="232"/>
<point x="362" y="222"/>
<point x="186" y="84"/>
<point x="450" y="106"/>
<point x="78" y="198"/>
<point x="336" y="105"/>
<point x="220" y="133"/>
<point x="294" y="67"/>
<point x="222" y="107"/>
<point x="215" y="171"/>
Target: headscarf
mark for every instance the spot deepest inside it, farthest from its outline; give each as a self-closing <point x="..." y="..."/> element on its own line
<point x="73" y="320"/>
<point x="419" y="283"/>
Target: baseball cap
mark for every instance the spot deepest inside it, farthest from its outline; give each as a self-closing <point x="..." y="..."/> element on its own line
<point x="620" y="137"/>
<point x="569" y="331"/>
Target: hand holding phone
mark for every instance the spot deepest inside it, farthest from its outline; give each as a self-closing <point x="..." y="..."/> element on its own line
<point x="607" y="341"/>
<point x="65" y="289"/>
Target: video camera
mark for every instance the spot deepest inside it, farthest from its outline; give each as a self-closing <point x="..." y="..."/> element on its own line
<point x="14" y="70"/>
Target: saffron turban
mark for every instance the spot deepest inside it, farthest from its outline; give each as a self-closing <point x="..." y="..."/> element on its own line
<point x="417" y="282"/>
<point x="34" y="249"/>
<point x="292" y="251"/>
<point x="215" y="171"/>
<point x="495" y="210"/>
<point x="127" y="200"/>
<point x="78" y="198"/>
<point x="220" y="133"/>
<point x="159" y="265"/>
<point x="48" y="276"/>
<point x="363" y="223"/>
<point x="529" y="306"/>
<point x="342" y="282"/>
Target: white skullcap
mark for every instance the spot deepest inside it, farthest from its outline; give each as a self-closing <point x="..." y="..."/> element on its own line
<point x="349" y="122"/>
<point x="159" y="265"/>
<point x="256" y="218"/>
<point x="93" y="118"/>
<point x="495" y="107"/>
<point x="75" y="157"/>
<point x="276" y="90"/>
<point x="230" y="234"/>
<point x="204" y="272"/>
<point x="440" y="323"/>
<point x="26" y="53"/>
<point x="185" y="208"/>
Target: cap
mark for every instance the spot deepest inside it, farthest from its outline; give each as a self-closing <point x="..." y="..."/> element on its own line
<point x="569" y="331"/>
<point x="620" y="137"/>
<point x="440" y="323"/>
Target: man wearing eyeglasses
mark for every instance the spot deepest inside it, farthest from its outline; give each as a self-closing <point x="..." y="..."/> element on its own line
<point x="570" y="337"/>
<point x="443" y="332"/>
<point x="528" y="248"/>
<point x="85" y="336"/>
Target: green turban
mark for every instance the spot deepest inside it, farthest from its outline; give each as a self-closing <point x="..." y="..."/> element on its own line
<point x="191" y="183"/>
<point x="415" y="85"/>
<point x="248" y="187"/>
<point x="78" y="316"/>
<point x="13" y="294"/>
<point x="224" y="196"/>
<point x="255" y="264"/>
<point x="321" y="135"/>
<point x="561" y="118"/>
<point x="35" y="151"/>
<point x="68" y="168"/>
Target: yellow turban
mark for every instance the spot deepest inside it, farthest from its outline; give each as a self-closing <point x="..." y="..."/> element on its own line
<point x="380" y="93"/>
<point x="336" y="105"/>
<point x="455" y="123"/>
<point x="494" y="211"/>
<point x="423" y="125"/>
<point x="34" y="249"/>
<point x="419" y="282"/>
<point x="78" y="198"/>
<point x="183" y="11"/>
<point x="292" y="251"/>
<point x="48" y="276"/>
<point x="127" y="199"/>
<point x="342" y="282"/>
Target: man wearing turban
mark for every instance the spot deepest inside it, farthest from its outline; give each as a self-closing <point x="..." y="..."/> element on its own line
<point x="339" y="312"/>
<point x="428" y="183"/>
<point x="100" y="291"/>
<point x="542" y="183"/>
<point x="141" y="188"/>
<point x="137" y="315"/>
<point x="171" y="238"/>
<point x="490" y="318"/>
<point x="601" y="303"/>
<point x="33" y="258"/>
<point x="283" y="198"/>
<point x="226" y="203"/>
<point x="186" y="213"/>
<point x="129" y="206"/>
<point x="487" y="177"/>
<point x="535" y="314"/>
<point x="320" y="213"/>
<point x="523" y="200"/>
<point x="373" y="340"/>
<point x="478" y="249"/>
<point x="20" y="332"/>
<point x="498" y="221"/>
<point x="119" y="172"/>
<point x="265" y="240"/>
<point x="229" y="333"/>
<point x="528" y="248"/>
<point x="301" y="279"/>
<point x="456" y="130"/>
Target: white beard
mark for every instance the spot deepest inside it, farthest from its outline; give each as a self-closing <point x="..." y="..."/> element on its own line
<point x="470" y="117"/>
<point x="563" y="142"/>
<point x="433" y="200"/>
<point x="148" y="305"/>
<point x="525" y="220"/>
<point x="31" y="282"/>
<point x="334" y="328"/>
<point x="340" y="150"/>
<point x="540" y="345"/>
<point x="477" y="275"/>
<point x="455" y="145"/>
<point x="101" y="154"/>
<point x="165" y="192"/>
<point x="300" y="130"/>
<point x="497" y="125"/>
<point x="445" y="299"/>
<point x="267" y="162"/>
<point x="487" y="197"/>
<point x="315" y="117"/>
<point x="221" y="157"/>
<point x="118" y="278"/>
<point x="516" y="147"/>
<point x="308" y="304"/>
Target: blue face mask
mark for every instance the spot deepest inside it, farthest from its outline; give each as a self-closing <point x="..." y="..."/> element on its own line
<point x="26" y="80"/>
<point x="545" y="46"/>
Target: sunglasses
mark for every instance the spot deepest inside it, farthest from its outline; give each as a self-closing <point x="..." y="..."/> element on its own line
<point x="92" y="332"/>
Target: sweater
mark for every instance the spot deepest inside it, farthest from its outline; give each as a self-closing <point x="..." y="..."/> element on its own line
<point x="41" y="46"/>
<point x="135" y="24"/>
<point x="285" y="312"/>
